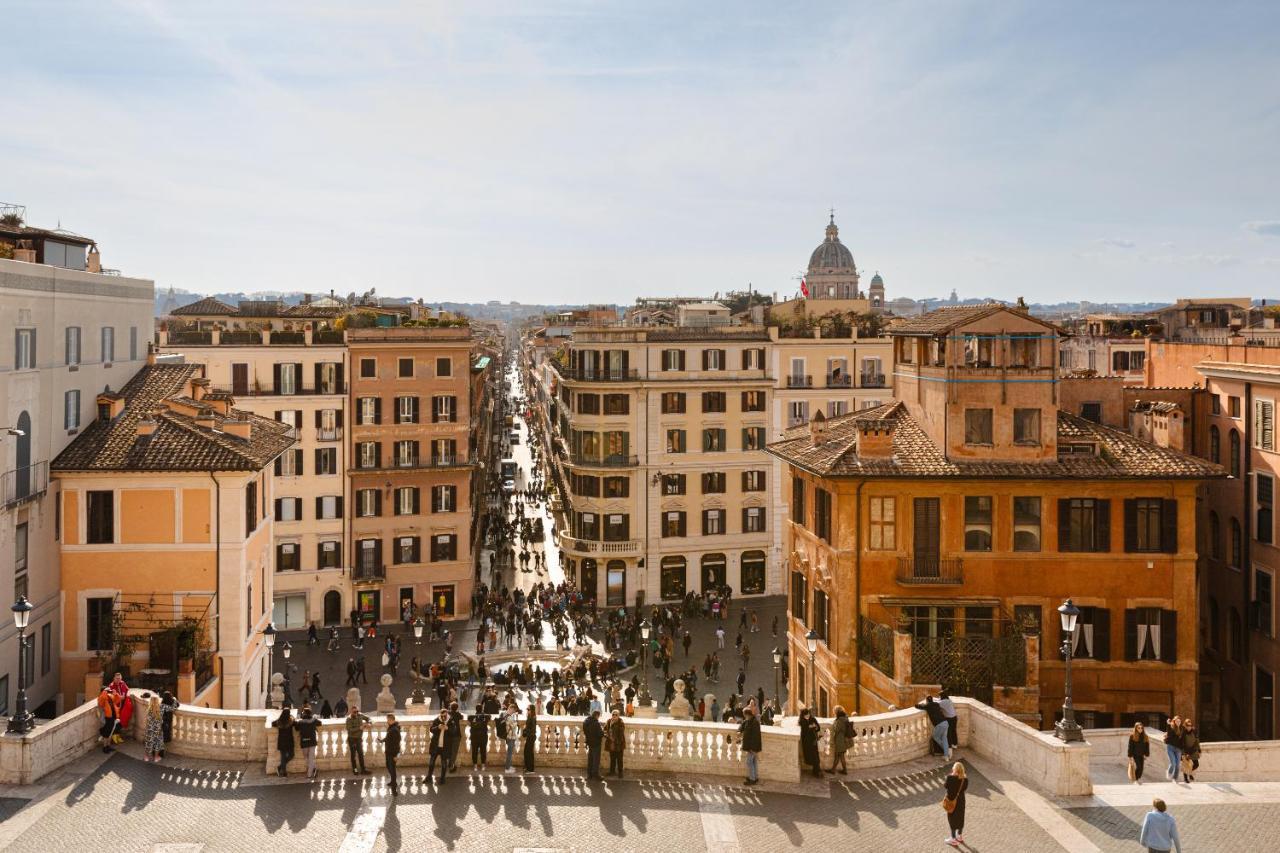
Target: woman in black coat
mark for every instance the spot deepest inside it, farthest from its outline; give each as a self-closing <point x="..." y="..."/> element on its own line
<point x="530" y="738"/>
<point x="957" y="784"/>
<point x="1139" y="750"/>
<point x="809" y="731"/>
<point x="284" y="739"/>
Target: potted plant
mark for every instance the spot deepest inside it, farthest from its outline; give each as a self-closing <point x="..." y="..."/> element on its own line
<point x="186" y="650"/>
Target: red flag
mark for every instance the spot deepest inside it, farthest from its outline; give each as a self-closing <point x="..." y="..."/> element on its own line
<point x="804" y="288"/>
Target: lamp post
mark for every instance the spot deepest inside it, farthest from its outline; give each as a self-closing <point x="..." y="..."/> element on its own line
<point x="811" y="641"/>
<point x="269" y="637"/>
<point x="777" y="678"/>
<point x="21" y="722"/>
<point x="417" y="631"/>
<point x="645" y="699"/>
<point x="1067" y="729"/>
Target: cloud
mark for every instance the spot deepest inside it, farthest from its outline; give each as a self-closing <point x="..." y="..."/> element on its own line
<point x="1116" y="243"/>
<point x="1196" y="259"/>
<point x="1265" y="227"/>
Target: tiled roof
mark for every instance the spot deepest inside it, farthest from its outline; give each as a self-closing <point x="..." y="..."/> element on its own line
<point x="204" y="308"/>
<point x="945" y="319"/>
<point x="177" y="444"/>
<point x="1120" y="455"/>
<point x="261" y="308"/>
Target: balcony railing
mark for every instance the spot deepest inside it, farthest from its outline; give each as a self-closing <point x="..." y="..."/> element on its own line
<point x="612" y="461"/>
<point x="234" y="337"/>
<point x="260" y="391"/>
<point x="288" y="337"/>
<point x="871" y="380"/>
<point x="369" y="574"/>
<point x="839" y="380"/>
<point x="799" y="381"/>
<point x="24" y="484"/>
<point x="190" y="338"/>
<point x="453" y="460"/>
<point x="920" y="570"/>
<point x="331" y="434"/>
<point x="600" y="375"/>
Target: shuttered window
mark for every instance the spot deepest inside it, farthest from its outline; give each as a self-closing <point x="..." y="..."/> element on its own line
<point x="1264" y="424"/>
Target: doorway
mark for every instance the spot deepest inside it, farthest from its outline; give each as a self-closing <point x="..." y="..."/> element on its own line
<point x="616" y="592"/>
<point x="713" y="572"/>
<point x="332" y="607"/>
<point x="369" y="602"/>
<point x="240" y="380"/>
<point x="406" y="603"/>
<point x="442" y="598"/>
<point x="589" y="586"/>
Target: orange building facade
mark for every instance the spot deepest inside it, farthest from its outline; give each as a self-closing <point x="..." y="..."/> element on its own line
<point x="931" y="540"/>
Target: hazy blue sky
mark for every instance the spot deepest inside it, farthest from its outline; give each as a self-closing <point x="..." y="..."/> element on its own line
<point x="595" y="151"/>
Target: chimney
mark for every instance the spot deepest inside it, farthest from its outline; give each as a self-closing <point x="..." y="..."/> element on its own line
<point x="199" y="387"/>
<point x="875" y="439"/>
<point x="151" y="354"/>
<point x="94" y="262"/>
<point x="146" y="425"/>
<point x="818" y="428"/>
<point x="205" y="419"/>
<point x="237" y="425"/>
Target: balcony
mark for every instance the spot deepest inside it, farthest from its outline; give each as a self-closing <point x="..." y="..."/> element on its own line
<point x="330" y="434"/>
<point x="369" y="574"/>
<point x="871" y="380"/>
<point x="190" y="338"/>
<point x="261" y="391"/>
<point x="631" y="375"/>
<point x="839" y="380"/>
<point x="799" y="381"/>
<point x="288" y="338"/>
<point x="453" y="460"/>
<point x="613" y="461"/>
<point x="925" y="571"/>
<point x="24" y="484"/>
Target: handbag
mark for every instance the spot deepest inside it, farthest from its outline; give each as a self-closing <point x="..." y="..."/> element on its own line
<point x="1187" y="766"/>
<point x="948" y="804"/>
<point x="1133" y="771"/>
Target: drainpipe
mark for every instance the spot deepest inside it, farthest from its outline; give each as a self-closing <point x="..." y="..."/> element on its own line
<point x="217" y="587"/>
<point x="1246" y="557"/>
<point x="857" y="599"/>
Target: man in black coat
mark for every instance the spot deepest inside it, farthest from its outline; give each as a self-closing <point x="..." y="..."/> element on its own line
<point x="594" y="733"/>
<point x="391" y="749"/>
<point x="752" y="744"/>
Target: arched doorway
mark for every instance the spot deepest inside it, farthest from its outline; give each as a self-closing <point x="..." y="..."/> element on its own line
<point x="333" y="607"/>
<point x="588" y="585"/>
<point x="753" y="570"/>
<point x="22" y="476"/>
<point x="713" y="572"/>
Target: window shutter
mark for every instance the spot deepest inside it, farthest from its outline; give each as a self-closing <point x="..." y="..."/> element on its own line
<point x="319" y="550"/>
<point x="338" y="418"/>
<point x="279" y="412"/>
<point x="1103" y="517"/>
<point x="1101" y="633"/>
<point x="339" y="506"/>
<point x="417" y="549"/>
<point x="319" y="451"/>
<point x="278" y="467"/>
<point x="1169" y="636"/>
<point x="297" y="375"/>
<point x="1064" y="524"/>
<point x="377" y="454"/>
<point x="415" y="409"/>
<point x="338" y="375"/>
<point x="377" y="553"/>
<point x="417" y="501"/>
<point x="1169" y="526"/>
<point x="279" y="514"/>
<point x="319" y="416"/>
<point x="275" y="378"/>
<point x="435" y="410"/>
<point x="377" y="502"/>
<point x="1130" y="525"/>
<point x="377" y="410"/>
<point x="706" y="358"/>
<point x="319" y="378"/>
<point x="680" y="359"/>
<point x="297" y="462"/>
<point x="320" y="508"/>
<point x="1131" y="635"/>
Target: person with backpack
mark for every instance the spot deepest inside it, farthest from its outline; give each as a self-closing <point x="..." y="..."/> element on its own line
<point x="842" y="735"/>
<point x="509" y="731"/>
<point x="752" y="745"/>
<point x="306" y="726"/>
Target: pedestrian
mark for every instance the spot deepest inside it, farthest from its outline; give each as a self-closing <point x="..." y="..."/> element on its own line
<point x="364" y="679"/>
<point x="284" y="740"/>
<point x="615" y="741"/>
<point x="307" y="725"/>
<point x="153" y="740"/>
<point x="1190" y="751"/>
<point x="775" y="626"/>
<point x="313" y="637"/>
<point x="356" y="724"/>
<point x="842" y="735"/>
<point x="751" y="744"/>
<point x="453" y="737"/>
<point x="1139" y="748"/>
<point x="1173" y="748"/>
<point x="439" y="747"/>
<point x="1159" y="832"/>
<point x="939" y="723"/>
<point x="687" y="641"/>
<point x="351" y="672"/>
<point x="479" y="731"/>
<point x="315" y="688"/>
<point x="949" y="714"/>
<point x="809" y="732"/>
<point x="109" y="707"/>
<point x="720" y="636"/>
<point x="594" y="734"/>
<point x="742" y="679"/>
<point x="391" y="751"/>
<point x="953" y="802"/>
<point x="530" y="737"/>
<point x="168" y="705"/>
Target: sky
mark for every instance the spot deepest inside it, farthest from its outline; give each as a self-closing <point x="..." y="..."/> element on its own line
<point x="595" y="152"/>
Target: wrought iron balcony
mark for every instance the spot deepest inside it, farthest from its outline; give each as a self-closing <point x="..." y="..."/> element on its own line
<point x="369" y="574"/>
<point x="839" y="380"/>
<point x="922" y="570"/>
<point x="24" y="484"/>
<point x="799" y="381"/>
<point x="872" y="380"/>
<point x="607" y="375"/>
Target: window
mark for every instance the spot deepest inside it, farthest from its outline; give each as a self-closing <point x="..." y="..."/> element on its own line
<point x="586" y="525"/>
<point x="406" y="410"/>
<point x="408" y="549"/>
<point x="368" y="368"/>
<point x="1091" y="412"/>
<point x="753" y="401"/>
<point x="1215" y="404"/>
<point x="883" y="523"/>
<point x="369" y="556"/>
<point x="408" y="500"/>
<point x="444" y="409"/>
<point x="977" y="523"/>
<point x="444" y="547"/>
<point x="676" y="441"/>
<point x="588" y="404"/>
<point x="752" y="519"/>
<point x="444" y="367"/>
<point x="673" y="524"/>
<point x="1233" y="406"/>
<point x="100" y="515"/>
<point x="798" y="412"/>
<point x="369" y="411"/>
<point x="617" y="527"/>
<point x="753" y="572"/>
<point x="24" y="353"/>
<point x="713" y="359"/>
<point x="404" y="368"/>
<point x="1215" y="536"/>
<point x="673" y="359"/>
<point x="1026" y="524"/>
<point x="673" y="484"/>
<point x="444" y="451"/>
<point x="819" y="621"/>
<point x="287" y="557"/>
<point x="1026" y="426"/>
<point x="617" y="487"/>
<point x="753" y="359"/>
<point x="1027" y="618"/>
<point x="753" y="481"/>
<point x="328" y="378"/>
<point x="1125" y="361"/>
<point x="46" y="648"/>
<point x="1236" y="543"/>
<point x="673" y="403"/>
<point x="672" y="586"/>
<point x="1264" y="494"/>
<point x="1264" y="424"/>
<point x="327" y="555"/>
<point x="1084" y="525"/>
<point x="753" y="438"/>
<point x="71" y="410"/>
<point x="288" y="378"/>
<point x="288" y="509"/>
<point x="329" y="506"/>
<point x="133" y="343"/>
<point x="1262" y="601"/>
<point x="1064" y="358"/>
<point x="1024" y="351"/>
<point x="797" y="500"/>
<point x="977" y="426"/>
<point x="20" y="561"/>
<point x="326" y="461"/>
<point x="836" y="408"/>
<point x="1150" y="525"/>
<point x="713" y="522"/>
<point x="368" y="503"/>
<point x="799" y="596"/>
<point x="1215" y="444"/>
<point x="289" y="463"/>
<point x="1093" y="634"/>
<point x="713" y="482"/>
<point x="108" y="344"/>
<point x="368" y="454"/>
<point x="822" y="514"/>
<point x="713" y="401"/>
<point x="585" y="485"/>
<point x="444" y="498"/>
<point x="617" y="404"/>
<point x="1150" y="634"/>
<point x="977" y="350"/>
<point x="713" y="440"/>
<point x="98" y="624"/>
<point x="73" y="345"/>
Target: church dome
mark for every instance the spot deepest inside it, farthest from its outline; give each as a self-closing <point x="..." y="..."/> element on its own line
<point x="831" y="255"/>
<point x="877" y="281"/>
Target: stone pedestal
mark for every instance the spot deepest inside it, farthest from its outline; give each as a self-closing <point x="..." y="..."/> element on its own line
<point x="680" y="707"/>
<point x="386" y="701"/>
<point x="647" y="711"/>
<point x="277" y="689"/>
<point x="186" y="688"/>
<point x="353" y="698"/>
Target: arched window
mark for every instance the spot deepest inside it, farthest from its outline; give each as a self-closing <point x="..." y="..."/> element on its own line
<point x="333" y="607"/>
<point x="22" y="481"/>
<point x="713" y="572"/>
<point x="753" y="570"/>
<point x="1215" y="445"/>
<point x="1233" y="464"/>
<point x="1234" y="562"/>
<point x="1215" y="536"/>
<point x="672" y="584"/>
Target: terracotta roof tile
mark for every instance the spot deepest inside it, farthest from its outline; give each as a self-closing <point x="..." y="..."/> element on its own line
<point x="945" y="319"/>
<point x="204" y="308"/>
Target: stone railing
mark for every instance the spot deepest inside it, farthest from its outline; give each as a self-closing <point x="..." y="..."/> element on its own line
<point x="24" y="759"/>
<point x="1034" y="756"/>
<point x="1221" y="761"/>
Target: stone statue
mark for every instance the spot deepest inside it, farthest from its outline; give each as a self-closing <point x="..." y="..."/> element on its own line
<point x="353" y="698"/>
<point x="680" y="707"/>
<point x="386" y="702"/>
<point x="277" y="689"/>
<point x="419" y="703"/>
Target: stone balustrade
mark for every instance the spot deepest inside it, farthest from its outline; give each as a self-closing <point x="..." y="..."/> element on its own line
<point x="24" y="759"/>
<point x="1220" y="761"/>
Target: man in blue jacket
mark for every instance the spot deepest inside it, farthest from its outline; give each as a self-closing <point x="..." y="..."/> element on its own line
<point x="1159" y="831"/>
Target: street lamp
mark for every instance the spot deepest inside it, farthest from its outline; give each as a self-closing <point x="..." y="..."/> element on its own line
<point x="286" y="648"/>
<point x="811" y="641"/>
<point x="269" y="638"/>
<point x="417" y="631"/>
<point x="777" y="670"/>
<point x="645" y="699"/>
<point x="1067" y="729"/>
<point x="22" y="721"/>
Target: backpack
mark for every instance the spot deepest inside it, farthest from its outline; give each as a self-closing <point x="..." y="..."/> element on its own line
<point x="502" y="727"/>
<point x="848" y="729"/>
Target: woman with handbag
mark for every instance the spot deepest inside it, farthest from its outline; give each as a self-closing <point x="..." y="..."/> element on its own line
<point x="1139" y="748"/>
<point x="1190" y="751"/>
<point x="953" y="803"/>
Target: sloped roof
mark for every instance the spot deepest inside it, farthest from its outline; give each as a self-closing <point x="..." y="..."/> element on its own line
<point x="1121" y="456"/>
<point x="177" y="444"/>
<point x="203" y="308"/>
<point x="945" y="319"/>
